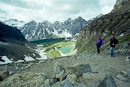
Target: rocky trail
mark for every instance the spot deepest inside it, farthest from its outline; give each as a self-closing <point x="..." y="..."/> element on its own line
<point x="85" y="70"/>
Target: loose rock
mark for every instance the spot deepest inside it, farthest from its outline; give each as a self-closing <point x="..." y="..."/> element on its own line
<point x="67" y="83"/>
<point x="127" y="58"/>
<point x="72" y="77"/>
<point x="3" y="75"/>
<point x="106" y="82"/>
<point x="124" y="76"/>
<point x="24" y="80"/>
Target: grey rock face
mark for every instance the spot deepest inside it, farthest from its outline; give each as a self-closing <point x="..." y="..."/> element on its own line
<point x="120" y="3"/>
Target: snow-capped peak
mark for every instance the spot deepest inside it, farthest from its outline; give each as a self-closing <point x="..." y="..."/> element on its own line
<point x="14" y="23"/>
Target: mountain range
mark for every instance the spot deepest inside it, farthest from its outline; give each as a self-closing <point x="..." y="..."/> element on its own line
<point x="46" y="30"/>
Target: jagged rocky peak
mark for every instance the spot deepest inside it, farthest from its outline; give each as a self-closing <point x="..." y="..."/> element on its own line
<point x="56" y="22"/>
<point x="31" y="22"/>
<point x="13" y="20"/>
<point x="14" y="23"/>
<point x="120" y="3"/>
<point x="68" y="21"/>
<point x="46" y="22"/>
<point x="80" y="18"/>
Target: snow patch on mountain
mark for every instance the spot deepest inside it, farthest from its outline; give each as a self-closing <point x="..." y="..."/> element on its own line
<point x="6" y="59"/>
<point x="2" y="43"/>
<point x="14" y="23"/>
<point x="28" y="58"/>
<point x="41" y="53"/>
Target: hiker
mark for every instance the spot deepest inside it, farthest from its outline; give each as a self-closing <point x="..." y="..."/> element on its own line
<point x="113" y="42"/>
<point x="99" y="44"/>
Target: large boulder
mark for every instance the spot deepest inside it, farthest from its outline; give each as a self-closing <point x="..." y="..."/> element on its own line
<point x="4" y="75"/>
<point x="127" y="58"/>
<point x="72" y="77"/>
<point x="59" y="72"/>
<point x="106" y="82"/>
<point x="123" y="76"/>
<point x="24" y="80"/>
<point x="57" y="68"/>
<point x="83" y="68"/>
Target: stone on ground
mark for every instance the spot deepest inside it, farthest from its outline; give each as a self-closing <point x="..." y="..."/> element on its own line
<point x="57" y="68"/>
<point x="84" y="68"/>
<point x="24" y="80"/>
<point x="3" y="75"/>
<point x="72" y="77"/>
<point x="67" y="83"/>
<point x="127" y="58"/>
<point x="106" y="82"/>
<point x="124" y="76"/>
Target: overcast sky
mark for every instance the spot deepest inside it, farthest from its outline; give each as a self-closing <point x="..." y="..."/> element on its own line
<point x="53" y="10"/>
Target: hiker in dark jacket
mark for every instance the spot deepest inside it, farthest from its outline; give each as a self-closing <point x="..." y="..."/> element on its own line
<point x="99" y="44"/>
<point x="113" y="42"/>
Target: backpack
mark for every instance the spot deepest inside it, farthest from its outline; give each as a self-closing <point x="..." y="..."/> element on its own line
<point x="98" y="43"/>
<point x="116" y="41"/>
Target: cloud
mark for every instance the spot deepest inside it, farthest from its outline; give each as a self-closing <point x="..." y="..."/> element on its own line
<point x="107" y="2"/>
<point x="53" y="10"/>
<point x="106" y="9"/>
<point x="106" y="5"/>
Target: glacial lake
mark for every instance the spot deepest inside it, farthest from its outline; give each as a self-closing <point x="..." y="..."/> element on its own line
<point x="65" y="50"/>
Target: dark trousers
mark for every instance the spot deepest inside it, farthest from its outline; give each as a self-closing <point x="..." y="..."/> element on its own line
<point x="98" y="49"/>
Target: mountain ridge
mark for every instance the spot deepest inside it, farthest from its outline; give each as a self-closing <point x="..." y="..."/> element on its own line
<point x="116" y="22"/>
<point x="13" y="45"/>
<point x="121" y="3"/>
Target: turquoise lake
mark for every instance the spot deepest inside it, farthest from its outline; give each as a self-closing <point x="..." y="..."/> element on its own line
<point x="65" y="50"/>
